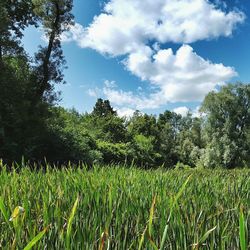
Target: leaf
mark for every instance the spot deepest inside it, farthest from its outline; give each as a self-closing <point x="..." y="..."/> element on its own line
<point x="69" y="226"/>
<point x="36" y="239"/>
<point x="178" y="195"/>
<point x="151" y="216"/>
<point x="142" y="238"/>
<point x="205" y="236"/>
<point x="104" y="237"/>
<point x="242" y="231"/>
<point x="153" y="244"/>
<point x="3" y="210"/>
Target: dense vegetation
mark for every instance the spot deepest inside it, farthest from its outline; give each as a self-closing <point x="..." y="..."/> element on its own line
<point x="127" y="208"/>
<point x="31" y="126"/>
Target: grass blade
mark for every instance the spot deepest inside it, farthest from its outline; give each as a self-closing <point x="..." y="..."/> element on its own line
<point x="104" y="238"/>
<point x="178" y="195"/>
<point x="151" y="216"/>
<point x="242" y="231"/>
<point x="36" y="239"/>
<point x="69" y="226"/>
<point x="3" y="210"/>
<point x="142" y="238"/>
<point x="205" y="236"/>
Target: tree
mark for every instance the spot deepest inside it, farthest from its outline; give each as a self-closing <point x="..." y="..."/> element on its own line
<point x="15" y="16"/>
<point x="103" y="108"/>
<point x="189" y="141"/>
<point x="143" y="150"/>
<point x="55" y="17"/>
<point x="68" y="140"/>
<point x="169" y="125"/>
<point x="227" y="126"/>
<point x="26" y="92"/>
<point x="22" y="124"/>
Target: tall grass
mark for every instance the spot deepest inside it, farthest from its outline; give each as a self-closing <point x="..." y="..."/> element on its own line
<point x="124" y="208"/>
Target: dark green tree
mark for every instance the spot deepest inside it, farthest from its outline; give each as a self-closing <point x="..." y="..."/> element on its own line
<point x="55" y="17"/>
<point x="103" y="108"/>
<point x="27" y="91"/>
<point x="15" y="16"/>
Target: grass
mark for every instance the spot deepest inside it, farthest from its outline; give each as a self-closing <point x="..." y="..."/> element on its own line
<point x="124" y="208"/>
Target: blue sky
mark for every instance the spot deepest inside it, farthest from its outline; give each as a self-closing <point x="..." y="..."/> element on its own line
<point x="152" y="55"/>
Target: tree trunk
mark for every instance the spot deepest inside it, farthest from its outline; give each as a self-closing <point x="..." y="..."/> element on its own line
<point x="1" y="57"/>
<point x="46" y="74"/>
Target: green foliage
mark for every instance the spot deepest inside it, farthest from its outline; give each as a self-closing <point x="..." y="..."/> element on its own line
<point x="15" y="16"/>
<point x="242" y="225"/>
<point x="143" y="150"/>
<point x="26" y="90"/>
<point x="114" y="152"/>
<point x="182" y="166"/>
<point x="103" y="108"/>
<point x="35" y="239"/>
<point x="227" y="125"/>
<point x="22" y="122"/>
<point x="118" y="205"/>
<point x="55" y="17"/>
<point x="68" y="140"/>
<point x="70" y="221"/>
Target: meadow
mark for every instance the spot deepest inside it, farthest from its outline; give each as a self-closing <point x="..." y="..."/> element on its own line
<point x="124" y="208"/>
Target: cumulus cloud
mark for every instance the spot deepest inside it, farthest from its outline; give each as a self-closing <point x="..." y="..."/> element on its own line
<point x="125" y="112"/>
<point x="136" y="29"/>
<point x="75" y="33"/>
<point x="128" y="98"/>
<point x="181" y="77"/>
<point x="183" y="111"/>
<point x="126" y="25"/>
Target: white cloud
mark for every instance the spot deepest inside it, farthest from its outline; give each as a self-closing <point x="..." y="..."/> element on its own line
<point x="137" y="29"/>
<point x="181" y="77"/>
<point x="76" y="33"/>
<point x="125" y="112"/>
<point x="183" y="111"/>
<point x="110" y="84"/>
<point x="123" y="98"/>
<point x="126" y="25"/>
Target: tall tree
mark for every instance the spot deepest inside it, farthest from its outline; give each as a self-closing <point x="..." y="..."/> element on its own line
<point x="227" y="126"/>
<point x="169" y="124"/>
<point x="55" y="17"/>
<point x="103" y="108"/>
<point x="15" y="16"/>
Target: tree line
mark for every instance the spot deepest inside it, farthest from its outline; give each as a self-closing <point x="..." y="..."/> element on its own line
<point x="33" y="127"/>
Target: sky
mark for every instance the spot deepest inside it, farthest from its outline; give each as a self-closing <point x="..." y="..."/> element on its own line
<point x="151" y="55"/>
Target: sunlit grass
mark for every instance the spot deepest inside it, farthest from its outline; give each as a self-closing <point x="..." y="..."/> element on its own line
<point x="124" y="208"/>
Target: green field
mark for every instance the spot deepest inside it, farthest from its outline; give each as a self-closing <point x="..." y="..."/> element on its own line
<point x="125" y="208"/>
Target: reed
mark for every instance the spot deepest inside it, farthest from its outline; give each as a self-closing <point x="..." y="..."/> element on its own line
<point x="120" y="207"/>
